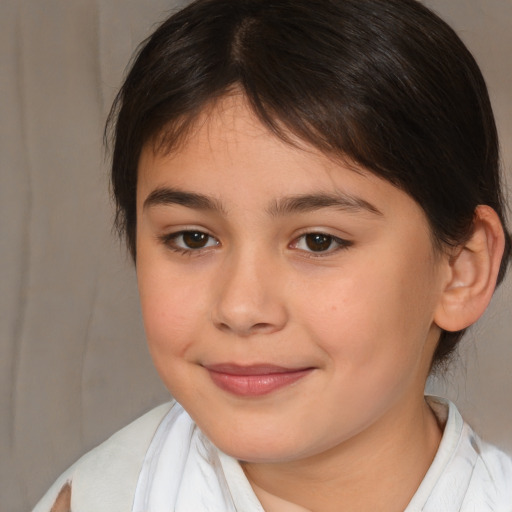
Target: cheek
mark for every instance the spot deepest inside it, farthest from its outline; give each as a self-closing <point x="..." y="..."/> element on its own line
<point x="170" y="321"/>
<point x="170" y="312"/>
<point x="378" y="315"/>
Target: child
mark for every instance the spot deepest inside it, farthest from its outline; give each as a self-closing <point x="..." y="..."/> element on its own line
<point x="310" y="191"/>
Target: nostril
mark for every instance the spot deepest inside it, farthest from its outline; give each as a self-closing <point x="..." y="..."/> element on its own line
<point x="223" y="327"/>
<point x="261" y="312"/>
<point x="261" y="327"/>
<point x="258" y="328"/>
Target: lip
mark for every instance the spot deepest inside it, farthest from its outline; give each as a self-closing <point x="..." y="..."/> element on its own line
<point x="254" y="380"/>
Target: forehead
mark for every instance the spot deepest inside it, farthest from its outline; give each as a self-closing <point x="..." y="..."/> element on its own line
<point x="231" y="157"/>
<point x="228" y="133"/>
<point x="220" y="125"/>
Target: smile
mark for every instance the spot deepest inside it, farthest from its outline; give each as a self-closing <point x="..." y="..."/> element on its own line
<point x="254" y="380"/>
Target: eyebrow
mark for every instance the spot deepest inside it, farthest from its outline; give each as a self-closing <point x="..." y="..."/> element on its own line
<point x="164" y="196"/>
<point x="310" y="202"/>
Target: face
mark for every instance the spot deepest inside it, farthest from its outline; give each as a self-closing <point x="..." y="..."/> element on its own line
<point x="288" y="300"/>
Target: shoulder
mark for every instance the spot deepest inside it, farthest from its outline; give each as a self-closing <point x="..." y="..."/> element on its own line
<point x="467" y="474"/>
<point x="492" y="476"/>
<point x="105" y="478"/>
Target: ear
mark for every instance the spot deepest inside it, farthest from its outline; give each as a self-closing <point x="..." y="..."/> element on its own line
<point x="472" y="272"/>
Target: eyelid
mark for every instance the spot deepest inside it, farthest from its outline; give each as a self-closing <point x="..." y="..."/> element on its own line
<point x="168" y="240"/>
<point x="341" y="243"/>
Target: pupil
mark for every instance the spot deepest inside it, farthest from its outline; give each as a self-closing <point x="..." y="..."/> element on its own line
<point x="195" y="239"/>
<point x="318" y="242"/>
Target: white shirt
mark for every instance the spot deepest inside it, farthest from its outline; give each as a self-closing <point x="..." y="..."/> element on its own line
<point x="162" y="462"/>
<point x="184" y="472"/>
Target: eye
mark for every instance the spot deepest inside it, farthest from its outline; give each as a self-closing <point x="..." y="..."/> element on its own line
<point x="320" y="242"/>
<point x="187" y="241"/>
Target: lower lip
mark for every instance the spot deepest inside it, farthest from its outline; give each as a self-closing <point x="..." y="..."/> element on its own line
<point x="256" y="385"/>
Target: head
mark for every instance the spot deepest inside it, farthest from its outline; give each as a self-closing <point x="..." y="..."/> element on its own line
<point x="384" y="85"/>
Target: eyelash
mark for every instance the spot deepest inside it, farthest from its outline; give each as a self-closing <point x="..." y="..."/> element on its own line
<point x="170" y="241"/>
<point x="340" y="244"/>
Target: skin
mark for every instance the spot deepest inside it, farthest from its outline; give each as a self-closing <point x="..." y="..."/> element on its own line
<point x="360" y="314"/>
<point x="63" y="501"/>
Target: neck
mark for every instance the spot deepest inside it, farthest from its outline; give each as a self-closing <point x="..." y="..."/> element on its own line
<point x="379" y="469"/>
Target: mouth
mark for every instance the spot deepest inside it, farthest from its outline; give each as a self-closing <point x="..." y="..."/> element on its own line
<point x="254" y="380"/>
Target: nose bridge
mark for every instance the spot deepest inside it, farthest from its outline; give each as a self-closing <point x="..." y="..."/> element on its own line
<point x="248" y="299"/>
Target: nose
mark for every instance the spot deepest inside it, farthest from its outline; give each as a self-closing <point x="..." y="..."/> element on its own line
<point x="250" y="298"/>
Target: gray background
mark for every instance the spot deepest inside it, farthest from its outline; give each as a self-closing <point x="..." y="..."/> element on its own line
<point x="73" y="362"/>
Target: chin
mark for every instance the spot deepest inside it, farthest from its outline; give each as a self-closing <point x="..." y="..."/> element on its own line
<point x="254" y="446"/>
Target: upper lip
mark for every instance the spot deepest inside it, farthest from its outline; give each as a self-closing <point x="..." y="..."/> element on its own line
<point x="253" y="369"/>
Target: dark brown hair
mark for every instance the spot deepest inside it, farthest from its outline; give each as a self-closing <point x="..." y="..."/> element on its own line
<point x="385" y="83"/>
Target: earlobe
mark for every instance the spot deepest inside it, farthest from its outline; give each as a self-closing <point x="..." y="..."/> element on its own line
<point x="472" y="273"/>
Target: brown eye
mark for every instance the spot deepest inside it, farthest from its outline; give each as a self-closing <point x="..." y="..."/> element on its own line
<point x="195" y="239"/>
<point x="318" y="242"/>
<point x="189" y="241"/>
